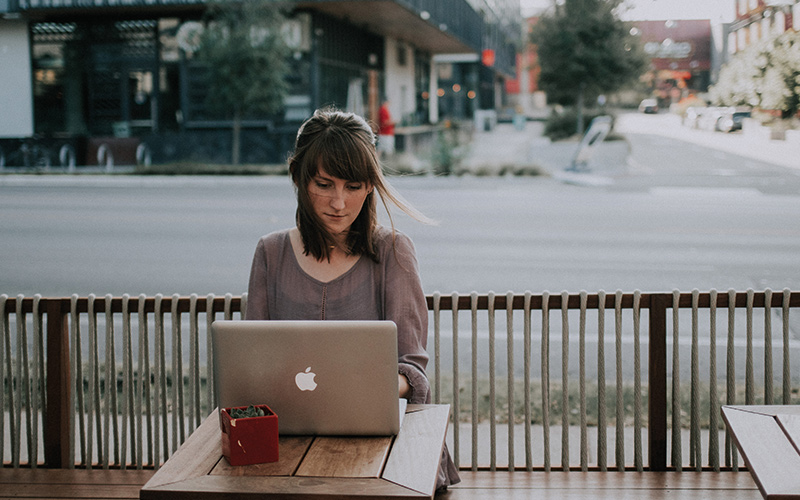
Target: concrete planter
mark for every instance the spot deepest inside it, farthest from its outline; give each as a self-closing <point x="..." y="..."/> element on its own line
<point x="793" y="137"/>
<point x="752" y="128"/>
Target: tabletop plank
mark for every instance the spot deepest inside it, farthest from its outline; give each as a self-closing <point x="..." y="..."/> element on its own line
<point x="770" y="409"/>
<point x="346" y="457"/>
<point x="195" y="457"/>
<point x="291" y="450"/>
<point x="767" y="450"/>
<point x="230" y="487"/>
<point x="417" y="451"/>
<point x="791" y="426"/>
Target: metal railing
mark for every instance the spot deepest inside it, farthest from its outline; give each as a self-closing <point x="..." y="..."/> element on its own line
<point x="96" y="382"/>
<point x="26" y="5"/>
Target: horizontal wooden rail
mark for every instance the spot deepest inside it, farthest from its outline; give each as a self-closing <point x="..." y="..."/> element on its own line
<point x="82" y="305"/>
<point x="554" y="301"/>
<point x="445" y="302"/>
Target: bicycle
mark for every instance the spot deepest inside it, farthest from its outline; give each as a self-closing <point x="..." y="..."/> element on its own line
<point x="31" y="155"/>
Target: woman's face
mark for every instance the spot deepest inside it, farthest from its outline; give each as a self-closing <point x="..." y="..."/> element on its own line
<point x="337" y="202"/>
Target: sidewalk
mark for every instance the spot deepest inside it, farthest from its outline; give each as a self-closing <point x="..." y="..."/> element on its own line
<point x="505" y="146"/>
<point x="749" y="145"/>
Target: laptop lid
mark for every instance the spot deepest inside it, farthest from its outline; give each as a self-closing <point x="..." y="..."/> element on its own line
<point x="319" y="377"/>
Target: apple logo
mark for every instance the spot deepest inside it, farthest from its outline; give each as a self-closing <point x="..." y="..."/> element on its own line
<point x="305" y="380"/>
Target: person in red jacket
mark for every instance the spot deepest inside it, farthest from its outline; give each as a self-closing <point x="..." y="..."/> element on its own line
<point x="385" y="130"/>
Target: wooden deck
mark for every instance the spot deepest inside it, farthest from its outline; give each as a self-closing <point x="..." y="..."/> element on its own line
<point x="118" y="484"/>
<point x="76" y="483"/>
<point x="605" y="486"/>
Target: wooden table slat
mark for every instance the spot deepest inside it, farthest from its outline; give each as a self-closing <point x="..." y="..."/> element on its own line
<point x="292" y="449"/>
<point x="767" y="450"/>
<point x="414" y="463"/>
<point x="197" y="455"/>
<point x="770" y="409"/>
<point x="791" y="427"/>
<point x="346" y="457"/>
<point x="215" y="487"/>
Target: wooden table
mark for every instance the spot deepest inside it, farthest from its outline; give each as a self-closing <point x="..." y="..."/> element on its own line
<point x="402" y="466"/>
<point x="768" y="437"/>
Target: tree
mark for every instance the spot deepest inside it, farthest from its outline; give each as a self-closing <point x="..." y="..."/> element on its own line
<point x="765" y="75"/>
<point x="243" y="48"/>
<point x="584" y="51"/>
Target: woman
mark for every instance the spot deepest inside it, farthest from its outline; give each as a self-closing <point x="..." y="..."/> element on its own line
<point x="338" y="263"/>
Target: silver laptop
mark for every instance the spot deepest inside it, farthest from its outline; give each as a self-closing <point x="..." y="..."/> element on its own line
<point x="319" y="377"/>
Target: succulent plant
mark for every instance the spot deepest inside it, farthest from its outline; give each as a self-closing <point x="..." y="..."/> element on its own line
<point x="251" y="411"/>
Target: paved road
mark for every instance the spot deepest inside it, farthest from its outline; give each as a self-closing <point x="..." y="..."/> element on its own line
<point x="674" y="215"/>
<point x="119" y="235"/>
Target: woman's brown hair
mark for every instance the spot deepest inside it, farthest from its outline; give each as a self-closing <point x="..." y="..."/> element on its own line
<point x="344" y="144"/>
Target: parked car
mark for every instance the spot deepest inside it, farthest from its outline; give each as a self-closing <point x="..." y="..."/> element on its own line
<point x="707" y="118"/>
<point x="648" y="106"/>
<point x="692" y="116"/>
<point x="730" y="119"/>
<point x="716" y="118"/>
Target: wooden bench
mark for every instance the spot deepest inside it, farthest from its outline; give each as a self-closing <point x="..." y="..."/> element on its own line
<point x="72" y="483"/>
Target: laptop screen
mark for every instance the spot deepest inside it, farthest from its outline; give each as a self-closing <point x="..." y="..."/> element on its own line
<point x="319" y="377"/>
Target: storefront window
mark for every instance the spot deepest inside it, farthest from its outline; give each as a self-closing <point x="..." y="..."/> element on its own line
<point x="48" y="77"/>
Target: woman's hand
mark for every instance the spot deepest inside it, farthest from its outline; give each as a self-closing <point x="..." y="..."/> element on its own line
<point x="403" y="386"/>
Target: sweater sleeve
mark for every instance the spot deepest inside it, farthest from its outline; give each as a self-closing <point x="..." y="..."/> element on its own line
<point x="405" y="305"/>
<point x="257" y="306"/>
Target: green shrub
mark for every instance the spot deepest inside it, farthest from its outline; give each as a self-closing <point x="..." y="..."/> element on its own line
<point x="561" y="125"/>
<point x="450" y="148"/>
<point x="198" y="168"/>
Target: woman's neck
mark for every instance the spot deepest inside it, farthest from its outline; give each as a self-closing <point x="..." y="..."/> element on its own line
<point x="325" y="270"/>
<point x="340" y="244"/>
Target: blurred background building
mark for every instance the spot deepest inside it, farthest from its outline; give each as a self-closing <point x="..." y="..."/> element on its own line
<point x="681" y="54"/>
<point x="686" y="51"/>
<point x="760" y="19"/>
<point x="121" y="72"/>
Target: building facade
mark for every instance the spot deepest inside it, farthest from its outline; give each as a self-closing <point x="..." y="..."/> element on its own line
<point x="761" y="19"/>
<point x="524" y="87"/>
<point x="80" y="73"/>
<point x="681" y="53"/>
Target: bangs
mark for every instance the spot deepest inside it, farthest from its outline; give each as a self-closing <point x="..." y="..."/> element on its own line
<point x="342" y="156"/>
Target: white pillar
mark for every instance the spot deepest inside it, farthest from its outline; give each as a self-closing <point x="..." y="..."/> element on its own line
<point x="16" y="92"/>
<point x="433" y="97"/>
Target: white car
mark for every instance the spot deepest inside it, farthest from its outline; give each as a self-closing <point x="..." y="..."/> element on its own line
<point x="648" y="106"/>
